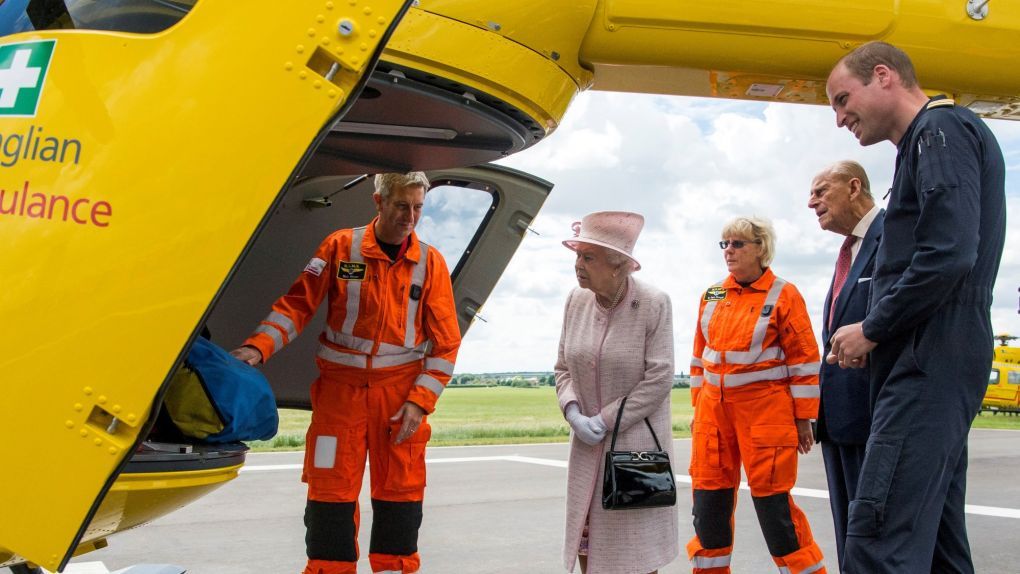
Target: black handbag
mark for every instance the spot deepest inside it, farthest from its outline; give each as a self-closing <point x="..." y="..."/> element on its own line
<point x="637" y="479"/>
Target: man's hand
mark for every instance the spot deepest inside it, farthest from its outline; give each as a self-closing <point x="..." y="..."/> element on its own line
<point x="412" y="415"/>
<point x="805" y="438"/>
<point x="850" y="347"/>
<point x="590" y="430"/>
<point x="247" y="354"/>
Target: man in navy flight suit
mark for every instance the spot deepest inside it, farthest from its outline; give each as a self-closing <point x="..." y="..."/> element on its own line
<point x="841" y="199"/>
<point x="928" y="328"/>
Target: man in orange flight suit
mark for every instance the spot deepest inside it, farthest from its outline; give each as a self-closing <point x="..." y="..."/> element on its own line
<point x="385" y="356"/>
<point x="754" y="384"/>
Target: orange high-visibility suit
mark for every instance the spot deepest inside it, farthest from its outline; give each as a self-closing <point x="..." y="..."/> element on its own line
<point x="755" y="370"/>
<point x="391" y="336"/>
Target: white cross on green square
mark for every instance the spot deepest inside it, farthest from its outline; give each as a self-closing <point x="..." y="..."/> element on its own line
<point x="23" y="69"/>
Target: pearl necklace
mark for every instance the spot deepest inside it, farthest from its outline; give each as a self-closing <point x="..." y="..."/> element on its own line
<point x="616" y="298"/>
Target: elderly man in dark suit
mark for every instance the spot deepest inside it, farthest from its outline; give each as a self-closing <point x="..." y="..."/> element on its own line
<point x="841" y="198"/>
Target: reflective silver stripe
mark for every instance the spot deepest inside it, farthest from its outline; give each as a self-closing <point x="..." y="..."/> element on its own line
<point x="696" y="381"/>
<point x="710" y="561"/>
<point x="753" y="357"/>
<point x="388" y="349"/>
<point x="743" y="357"/>
<point x="351" y="342"/>
<point x="808" y="570"/>
<point x="711" y="355"/>
<point x="354" y="287"/>
<point x="706" y="318"/>
<point x="349" y="359"/>
<point x="696" y="362"/>
<point x="805" y="391"/>
<point x="417" y="278"/>
<point x="430" y="383"/>
<point x="325" y="452"/>
<point x="361" y="361"/>
<point x="804" y="369"/>
<point x="706" y="315"/>
<point x="760" y="327"/>
<point x="283" y="321"/>
<point x="381" y="361"/>
<point x="437" y="364"/>
<point x="273" y="333"/>
<point x="712" y="378"/>
<point x="773" y="374"/>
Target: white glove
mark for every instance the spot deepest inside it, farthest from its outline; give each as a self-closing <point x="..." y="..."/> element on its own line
<point x="589" y="430"/>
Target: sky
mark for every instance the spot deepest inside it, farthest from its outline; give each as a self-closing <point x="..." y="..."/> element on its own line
<point x="689" y="165"/>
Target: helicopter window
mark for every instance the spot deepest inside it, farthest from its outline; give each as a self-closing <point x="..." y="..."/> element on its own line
<point x="1014" y="378"/>
<point x="993" y="378"/>
<point x="451" y="217"/>
<point x="138" y="16"/>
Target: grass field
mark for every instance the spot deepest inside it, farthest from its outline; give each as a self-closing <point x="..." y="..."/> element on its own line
<point x="504" y="415"/>
<point x="997" y="421"/>
<point x="487" y="415"/>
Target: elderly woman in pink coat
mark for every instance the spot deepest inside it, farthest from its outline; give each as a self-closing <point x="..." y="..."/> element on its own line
<point x="617" y="342"/>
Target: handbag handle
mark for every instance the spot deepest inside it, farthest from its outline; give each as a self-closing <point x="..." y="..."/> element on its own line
<point x="616" y="428"/>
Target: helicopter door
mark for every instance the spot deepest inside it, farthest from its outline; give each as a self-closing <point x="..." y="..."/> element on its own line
<point x="476" y="217"/>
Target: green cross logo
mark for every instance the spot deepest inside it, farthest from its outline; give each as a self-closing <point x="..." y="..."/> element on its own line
<point x="22" y="75"/>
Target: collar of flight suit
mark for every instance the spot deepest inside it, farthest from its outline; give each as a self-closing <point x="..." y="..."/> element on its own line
<point x="763" y="283"/>
<point x="370" y="246"/>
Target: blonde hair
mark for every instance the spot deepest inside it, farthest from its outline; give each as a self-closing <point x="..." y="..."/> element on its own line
<point x="387" y="182"/>
<point x="754" y="229"/>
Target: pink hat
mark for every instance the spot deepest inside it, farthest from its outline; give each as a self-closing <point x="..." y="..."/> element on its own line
<point x="616" y="230"/>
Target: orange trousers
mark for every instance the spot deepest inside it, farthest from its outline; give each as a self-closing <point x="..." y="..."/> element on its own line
<point x="753" y="425"/>
<point x="351" y="408"/>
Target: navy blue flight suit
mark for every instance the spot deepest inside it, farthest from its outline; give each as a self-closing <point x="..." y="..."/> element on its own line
<point x="844" y="414"/>
<point x="930" y="315"/>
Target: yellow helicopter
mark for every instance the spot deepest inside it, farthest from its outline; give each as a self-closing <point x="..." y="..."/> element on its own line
<point x="163" y="160"/>
<point x="1003" y="394"/>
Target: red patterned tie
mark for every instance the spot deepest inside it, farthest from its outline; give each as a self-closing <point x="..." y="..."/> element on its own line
<point x="842" y="270"/>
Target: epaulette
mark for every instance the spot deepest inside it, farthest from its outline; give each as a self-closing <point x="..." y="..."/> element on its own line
<point x="945" y="102"/>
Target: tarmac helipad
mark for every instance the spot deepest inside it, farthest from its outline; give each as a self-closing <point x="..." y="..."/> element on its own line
<point x="500" y="509"/>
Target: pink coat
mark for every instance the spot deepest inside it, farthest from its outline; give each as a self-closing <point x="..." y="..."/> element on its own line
<point x="603" y="357"/>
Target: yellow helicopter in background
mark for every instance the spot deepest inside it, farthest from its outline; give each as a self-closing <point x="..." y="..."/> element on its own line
<point x="1003" y="394"/>
<point x="166" y="164"/>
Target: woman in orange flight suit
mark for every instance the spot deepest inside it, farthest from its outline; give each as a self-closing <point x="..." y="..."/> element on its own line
<point x="754" y="384"/>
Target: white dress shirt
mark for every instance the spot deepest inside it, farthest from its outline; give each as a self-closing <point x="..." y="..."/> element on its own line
<point x="861" y="230"/>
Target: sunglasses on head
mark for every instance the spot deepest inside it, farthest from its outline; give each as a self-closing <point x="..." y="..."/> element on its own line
<point x="736" y="243"/>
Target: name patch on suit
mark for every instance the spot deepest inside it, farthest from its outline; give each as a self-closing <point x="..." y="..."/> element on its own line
<point x="715" y="294"/>
<point x="351" y="271"/>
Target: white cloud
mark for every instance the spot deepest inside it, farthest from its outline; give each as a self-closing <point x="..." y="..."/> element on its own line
<point x="688" y="165"/>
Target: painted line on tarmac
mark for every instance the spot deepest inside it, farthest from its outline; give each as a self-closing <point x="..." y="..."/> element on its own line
<point x="681" y="478"/>
<point x="992" y="511"/>
<point x="545" y="461"/>
<point x="269" y="467"/>
<point x="265" y="467"/>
